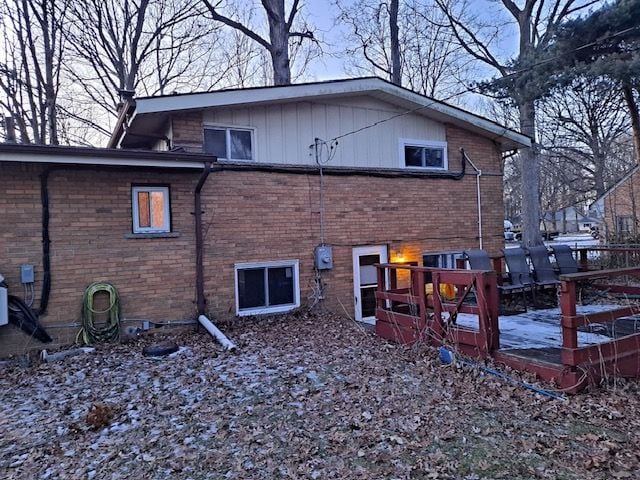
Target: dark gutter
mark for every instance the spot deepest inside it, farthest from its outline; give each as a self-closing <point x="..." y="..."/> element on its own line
<point x="22" y="148"/>
<point x="128" y="107"/>
<point x="201" y="301"/>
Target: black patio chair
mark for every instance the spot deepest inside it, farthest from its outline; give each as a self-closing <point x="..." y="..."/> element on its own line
<point x="543" y="273"/>
<point x="479" y="260"/>
<point x="565" y="260"/>
<point x="519" y="271"/>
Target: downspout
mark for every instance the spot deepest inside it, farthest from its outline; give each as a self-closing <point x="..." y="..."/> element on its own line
<point x="478" y="195"/>
<point x="46" y="243"/>
<point x="200" y="299"/>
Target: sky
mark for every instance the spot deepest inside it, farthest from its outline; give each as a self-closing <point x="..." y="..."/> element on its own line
<point x="321" y="14"/>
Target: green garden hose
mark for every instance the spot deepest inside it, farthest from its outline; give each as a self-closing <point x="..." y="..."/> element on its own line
<point x="110" y="330"/>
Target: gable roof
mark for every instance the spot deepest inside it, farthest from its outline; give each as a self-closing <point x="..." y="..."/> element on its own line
<point x="616" y="185"/>
<point x="147" y="113"/>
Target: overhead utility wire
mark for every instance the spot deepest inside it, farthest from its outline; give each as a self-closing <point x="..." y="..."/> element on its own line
<point x="577" y="49"/>
<point x="518" y="72"/>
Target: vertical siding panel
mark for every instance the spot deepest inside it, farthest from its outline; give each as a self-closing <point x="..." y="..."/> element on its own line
<point x="285" y="131"/>
<point x="345" y="152"/>
<point x="305" y="134"/>
<point x="262" y="134"/>
<point x="275" y="143"/>
<point x="289" y="133"/>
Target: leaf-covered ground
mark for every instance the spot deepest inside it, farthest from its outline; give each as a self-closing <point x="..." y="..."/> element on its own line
<point x="303" y="397"/>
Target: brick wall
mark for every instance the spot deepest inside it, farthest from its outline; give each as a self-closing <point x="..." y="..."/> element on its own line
<point x="187" y="131"/>
<point x="623" y="201"/>
<point x="248" y="216"/>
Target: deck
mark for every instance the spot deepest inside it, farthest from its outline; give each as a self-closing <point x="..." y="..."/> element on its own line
<point x="570" y="345"/>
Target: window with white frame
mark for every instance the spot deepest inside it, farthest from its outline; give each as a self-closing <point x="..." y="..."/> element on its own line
<point x="150" y="209"/>
<point x="229" y="143"/>
<point x="267" y="287"/>
<point x="423" y="154"/>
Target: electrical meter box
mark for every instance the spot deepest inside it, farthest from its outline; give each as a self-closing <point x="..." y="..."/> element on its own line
<point x="26" y="274"/>
<point x="323" y="257"/>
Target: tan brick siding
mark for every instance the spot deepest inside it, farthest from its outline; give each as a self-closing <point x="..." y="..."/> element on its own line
<point x="623" y="201"/>
<point x="248" y="216"/>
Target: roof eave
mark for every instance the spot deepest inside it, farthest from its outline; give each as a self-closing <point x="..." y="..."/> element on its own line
<point x="509" y="139"/>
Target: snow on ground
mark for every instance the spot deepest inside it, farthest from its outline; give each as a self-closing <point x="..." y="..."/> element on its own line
<point x="305" y="397"/>
<point x="573" y="240"/>
<point x="538" y="328"/>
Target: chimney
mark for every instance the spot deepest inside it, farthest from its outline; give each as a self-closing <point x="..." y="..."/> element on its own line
<point x="126" y="99"/>
<point x="10" y="130"/>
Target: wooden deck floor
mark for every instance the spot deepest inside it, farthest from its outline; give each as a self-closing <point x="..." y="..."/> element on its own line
<point x="537" y="333"/>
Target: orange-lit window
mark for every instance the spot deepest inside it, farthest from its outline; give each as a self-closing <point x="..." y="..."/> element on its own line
<point x="150" y="209"/>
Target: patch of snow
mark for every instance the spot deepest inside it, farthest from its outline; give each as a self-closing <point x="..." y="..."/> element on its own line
<point x="538" y="328"/>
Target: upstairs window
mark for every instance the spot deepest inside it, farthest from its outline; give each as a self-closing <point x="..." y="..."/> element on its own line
<point x="150" y="209"/>
<point x="423" y="154"/>
<point x="229" y="143"/>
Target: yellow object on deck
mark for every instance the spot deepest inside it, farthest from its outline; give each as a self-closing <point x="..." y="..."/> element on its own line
<point x="447" y="290"/>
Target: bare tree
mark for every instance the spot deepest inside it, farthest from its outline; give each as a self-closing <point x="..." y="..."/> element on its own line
<point x="410" y="46"/>
<point x="149" y="46"/>
<point x="30" y="75"/>
<point x="585" y="126"/>
<point x="281" y="32"/>
<point x="536" y="22"/>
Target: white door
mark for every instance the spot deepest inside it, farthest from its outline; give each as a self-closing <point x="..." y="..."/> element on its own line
<point x="365" y="280"/>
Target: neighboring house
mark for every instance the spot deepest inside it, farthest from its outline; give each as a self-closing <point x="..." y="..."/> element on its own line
<point x="393" y="186"/>
<point x="567" y="220"/>
<point x="619" y="206"/>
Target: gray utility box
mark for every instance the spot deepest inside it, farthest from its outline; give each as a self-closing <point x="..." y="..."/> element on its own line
<point x="26" y="274"/>
<point x="323" y="255"/>
<point x="4" y="303"/>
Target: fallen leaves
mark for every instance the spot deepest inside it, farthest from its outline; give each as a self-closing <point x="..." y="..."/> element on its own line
<point x="304" y="397"/>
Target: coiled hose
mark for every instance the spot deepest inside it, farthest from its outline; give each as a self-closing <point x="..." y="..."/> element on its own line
<point x="110" y="330"/>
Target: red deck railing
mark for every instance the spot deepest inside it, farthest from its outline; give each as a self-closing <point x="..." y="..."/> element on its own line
<point x="425" y="308"/>
<point x="419" y="304"/>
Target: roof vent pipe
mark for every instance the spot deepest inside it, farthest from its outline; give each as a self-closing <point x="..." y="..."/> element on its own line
<point x="10" y="130"/>
<point x="126" y="98"/>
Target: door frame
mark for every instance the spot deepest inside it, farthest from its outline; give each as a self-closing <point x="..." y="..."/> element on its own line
<point x="383" y="252"/>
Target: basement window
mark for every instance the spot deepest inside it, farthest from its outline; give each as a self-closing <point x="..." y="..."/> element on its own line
<point x="267" y="287"/>
<point x="229" y="143"/>
<point x="150" y="209"/>
<point x="422" y="154"/>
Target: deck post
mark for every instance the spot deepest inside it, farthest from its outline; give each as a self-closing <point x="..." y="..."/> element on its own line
<point x="568" y="314"/>
<point x="437" y="327"/>
<point x="584" y="260"/>
<point x="379" y="288"/>
<point x="493" y="308"/>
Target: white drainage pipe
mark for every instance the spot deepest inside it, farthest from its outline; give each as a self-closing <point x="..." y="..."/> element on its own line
<point x="54" y="357"/>
<point x="216" y="333"/>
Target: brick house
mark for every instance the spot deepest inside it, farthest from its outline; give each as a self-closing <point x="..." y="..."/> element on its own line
<point x="619" y="207"/>
<point x="373" y="171"/>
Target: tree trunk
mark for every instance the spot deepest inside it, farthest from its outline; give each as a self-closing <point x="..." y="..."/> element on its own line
<point x="635" y="118"/>
<point x="279" y="43"/>
<point x="396" y="74"/>
<point x="530" y="178"/>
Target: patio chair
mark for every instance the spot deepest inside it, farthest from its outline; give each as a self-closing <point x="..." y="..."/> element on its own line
<point x="543" y="273"/>
<point x="519" y="271"/>
<point x="479" y="260"/>
<point x="565" y="260"/>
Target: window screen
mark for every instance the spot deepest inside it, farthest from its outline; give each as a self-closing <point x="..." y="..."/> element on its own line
<point x="269" y="287"/>
<point x="215" y="142"/>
